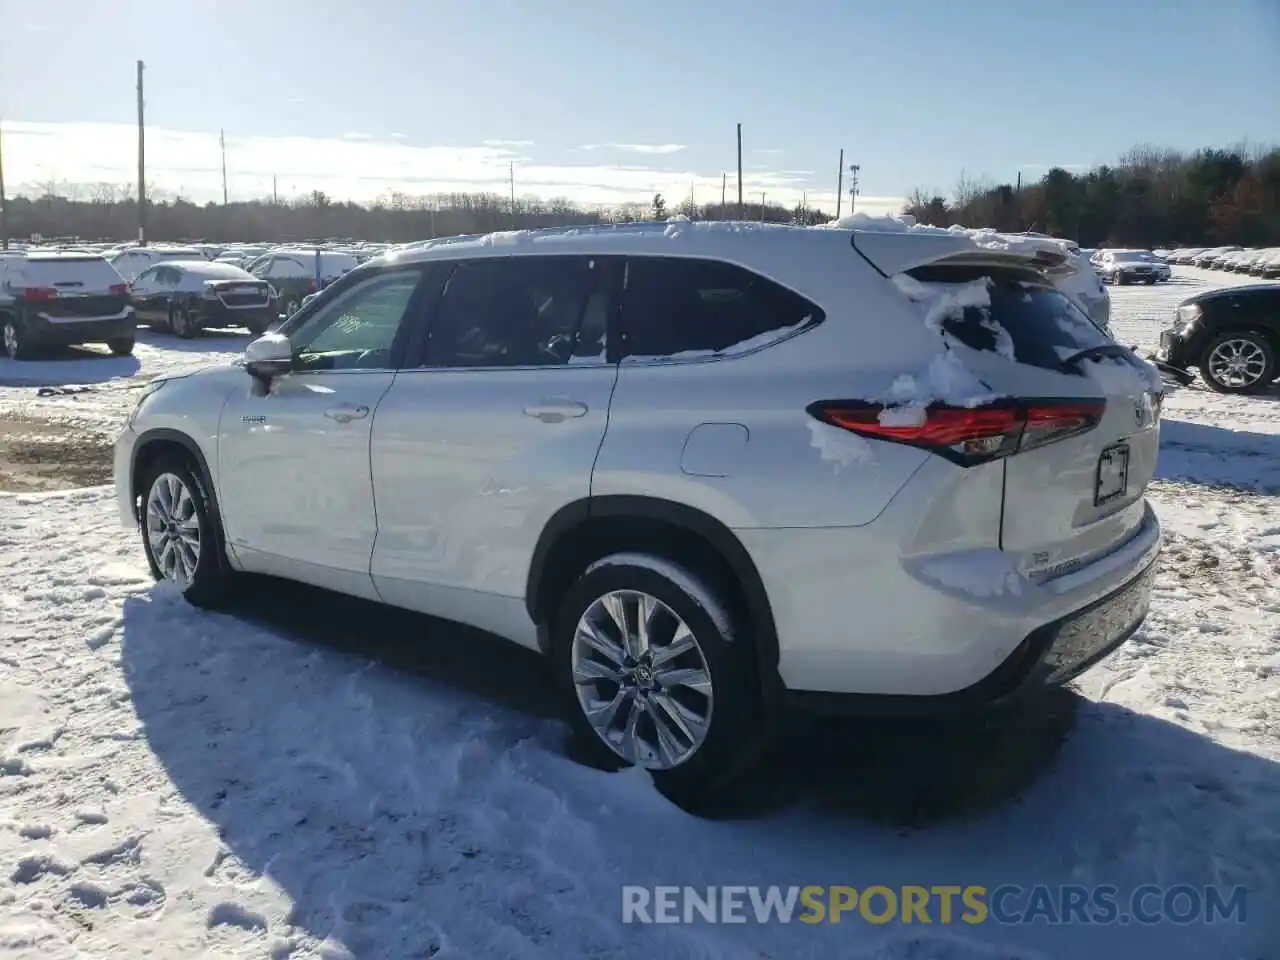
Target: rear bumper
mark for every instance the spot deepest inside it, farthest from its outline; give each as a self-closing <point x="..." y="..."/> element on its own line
<point x="44" y="330"/>
<point x="1048" y="657"/>
<point x="860" y="635"/>
<point x="215" y="313"/>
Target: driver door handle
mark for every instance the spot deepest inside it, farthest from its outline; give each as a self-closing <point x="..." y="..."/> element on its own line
<point x="556" y="409"/>
<point x="346" y="413"/>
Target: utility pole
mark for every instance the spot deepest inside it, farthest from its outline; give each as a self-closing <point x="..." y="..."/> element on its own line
<point x="222" y="142"/>
<point x="724" y="185"/>
<point x="742" y="210"/>
<point x="275" y="194"/>
<point x="762" y="206"/>
<point x="142" y="166"/>
<point x="513" y="195"/>
<point x="840" y="184"/>
<point x="4" y="210"/>
<point x="853" y="185"/>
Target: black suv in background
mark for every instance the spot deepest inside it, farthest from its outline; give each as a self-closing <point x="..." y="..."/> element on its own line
<point x="1232" y="335"/>
<point x="61" y="299"/>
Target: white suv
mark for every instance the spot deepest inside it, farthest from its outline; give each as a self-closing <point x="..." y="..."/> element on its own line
<point x="709" y="469"/>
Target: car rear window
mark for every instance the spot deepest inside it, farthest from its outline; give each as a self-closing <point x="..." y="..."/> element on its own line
<point x="90" y="272"/>
<point x="1018" y="316"/>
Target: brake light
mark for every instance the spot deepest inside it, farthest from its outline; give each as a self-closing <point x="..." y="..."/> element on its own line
<point x="966" y="435"/>
<point x="311" y="286"/>
<point x="40" y="293"/>
<point x="119" y="289"/>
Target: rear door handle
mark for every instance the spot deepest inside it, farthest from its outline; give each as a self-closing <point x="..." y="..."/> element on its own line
<point x="346" y="413"/>
<point x="556" y="409"/>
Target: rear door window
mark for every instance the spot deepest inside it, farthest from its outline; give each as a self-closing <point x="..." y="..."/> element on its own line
<point x="685" y="308"/>
<point x="1004" y="312"/>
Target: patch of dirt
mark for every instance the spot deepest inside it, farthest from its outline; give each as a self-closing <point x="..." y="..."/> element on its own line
<point x="39" y="455"/>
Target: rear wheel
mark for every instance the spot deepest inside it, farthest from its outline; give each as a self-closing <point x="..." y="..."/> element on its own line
<point x="1239" y="361"/>
<point x="291" y="307"/>
<point x="656" y="677"/>
<point x="122" y="347"/>
<point x="180" y="532"/>
<point x="183" y="322"/>
<point x="1121" y="280"/>
<point x="16" y="345"/>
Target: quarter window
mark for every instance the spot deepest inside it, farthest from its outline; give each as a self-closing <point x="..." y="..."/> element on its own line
<point x="356" y="330"/>
<point x="521" y="311"/>
<point x="680" y="306"/>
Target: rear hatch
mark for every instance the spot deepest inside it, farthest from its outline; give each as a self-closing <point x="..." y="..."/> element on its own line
<point x="69" y="288"/>
<point x="1074" y="482"/>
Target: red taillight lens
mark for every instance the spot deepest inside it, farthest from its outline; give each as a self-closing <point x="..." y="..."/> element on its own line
<point x="40" y="293"/>
<point x="119" y="289"/>
<point x="311" y="286"/>
<point x="966" y="435"/>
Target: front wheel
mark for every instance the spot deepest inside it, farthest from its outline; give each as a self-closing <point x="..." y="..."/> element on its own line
<point x="1241" y="361"/>
<point x="658" y="677"/>
<point x="180" y="532"/>
<point x="122" y="347"/>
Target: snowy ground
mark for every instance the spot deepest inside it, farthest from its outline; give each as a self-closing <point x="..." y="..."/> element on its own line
<point x="315" y="777"/>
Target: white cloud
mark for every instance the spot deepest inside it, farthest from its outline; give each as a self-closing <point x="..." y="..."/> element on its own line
<point x="357" y="136"/>
<point x="188" y="163"/>
<point x="653" y="148"/>
<point x="767" y="151"/>
<point x="508" y="143"/>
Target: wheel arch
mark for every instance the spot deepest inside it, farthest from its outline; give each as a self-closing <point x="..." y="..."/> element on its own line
<point x="588" y="529"/>
<point x="154" y="443"/>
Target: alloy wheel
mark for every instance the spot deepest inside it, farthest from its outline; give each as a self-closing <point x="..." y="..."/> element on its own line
<point x="11" y="343"/>
<point x="641" y="679"/>
<point x="1238" y="362"/>
<point x="173" y="528"/>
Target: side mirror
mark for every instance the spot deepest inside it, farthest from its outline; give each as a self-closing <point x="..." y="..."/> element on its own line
<point x="271" y="355"/>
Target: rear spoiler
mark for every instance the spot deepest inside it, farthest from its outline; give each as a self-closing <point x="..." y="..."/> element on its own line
<point x="898" y="252"/>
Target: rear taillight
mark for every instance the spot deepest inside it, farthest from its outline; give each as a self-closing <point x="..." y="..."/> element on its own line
<point x="311" y="286"/>
<point x="966" y="435"/>
<point x="119" y="289"/>
<point x="40" y="293"/>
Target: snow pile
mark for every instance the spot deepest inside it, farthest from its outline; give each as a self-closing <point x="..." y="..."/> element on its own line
<point x="840" y="448"/>
<point x="981" y="573"/>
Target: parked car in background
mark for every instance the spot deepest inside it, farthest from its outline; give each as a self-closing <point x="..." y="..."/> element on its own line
<point x="1231" y="334"/>
<point x="543" y="431"/>
<point x="63" y="299"/>
<point x="1186" y="255"/>
<point x="292" y="273"/>
<point x="1131" y="266"/>
<point x="187" y="296"/>
<point x="1205" y="258"/>
<point x="1162" y="254"/>
<point x="133" y="260"/>
<point x="1267" y="267"/>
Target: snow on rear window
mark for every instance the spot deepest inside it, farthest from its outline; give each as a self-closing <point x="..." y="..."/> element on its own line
<point x="1002" y="313"/>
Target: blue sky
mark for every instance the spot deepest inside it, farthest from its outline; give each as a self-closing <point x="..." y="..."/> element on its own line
<point x="421" y="95"/>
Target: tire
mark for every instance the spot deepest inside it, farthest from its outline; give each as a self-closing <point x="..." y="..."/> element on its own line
<point x="256" y="329"/>
<point x="1120" y="280"/>
<point x="121" y="347"/>
<point x="183" y="323"/>
<point x="13" y="339"/>
<point x="1254" y="350"/>
<point x="292" y="307"/>
<point x="734" y="735"/>
<point x="208" y="580"/>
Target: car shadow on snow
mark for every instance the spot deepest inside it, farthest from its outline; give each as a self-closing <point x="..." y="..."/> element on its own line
<point x="1220" y="457"/>
<point x="216" y="340"/>
<point x="67" y="365"/>
<point x="376" y="763"/>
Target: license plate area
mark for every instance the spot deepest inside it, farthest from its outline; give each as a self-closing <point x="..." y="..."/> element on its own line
<point x="1112" y="477"/>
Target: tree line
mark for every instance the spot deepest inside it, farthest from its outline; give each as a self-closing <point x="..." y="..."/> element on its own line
<point x="1153" y="197"/>
<point x="109" y="212"/>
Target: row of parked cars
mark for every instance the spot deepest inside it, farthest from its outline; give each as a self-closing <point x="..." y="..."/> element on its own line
<point x="68" y="294"/>
<point x="1258" y="261"/>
